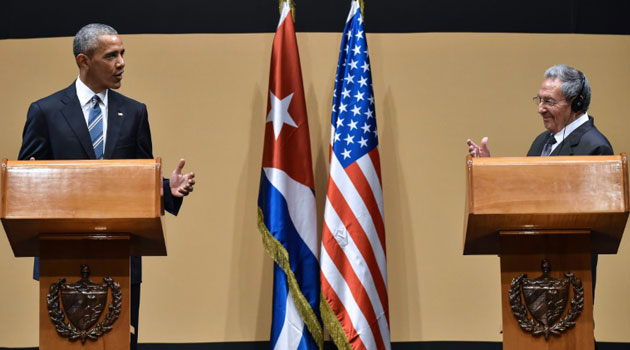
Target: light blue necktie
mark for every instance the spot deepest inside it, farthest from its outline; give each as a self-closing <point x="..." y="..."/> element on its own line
<point x="95" y="126"/>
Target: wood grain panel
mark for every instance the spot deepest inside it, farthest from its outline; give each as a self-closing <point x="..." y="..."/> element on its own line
<point x="97" y="197"/>
<point x="82" y="189"/>
<point x="538" y="193"/>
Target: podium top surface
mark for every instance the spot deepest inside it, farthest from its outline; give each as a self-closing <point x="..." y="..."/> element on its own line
<point x="81" y="189"/>
<point x="545" y="193"/>
<point x="82" y="197"/>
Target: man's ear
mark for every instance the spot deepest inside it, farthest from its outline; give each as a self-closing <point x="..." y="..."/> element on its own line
<point x="82" y="61"/>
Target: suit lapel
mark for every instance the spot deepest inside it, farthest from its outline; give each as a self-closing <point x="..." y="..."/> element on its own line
<point x="73" y="114"/>
<point x="566" y="147"/>
<point x="115" y="119"/>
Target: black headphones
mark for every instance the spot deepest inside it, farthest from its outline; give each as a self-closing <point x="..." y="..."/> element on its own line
<point x="578" y="101"/>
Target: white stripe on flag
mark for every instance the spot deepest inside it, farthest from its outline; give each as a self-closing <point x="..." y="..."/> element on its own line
<point x="301" y="202"/>
<point x="339" y="286"/>
<point x="291" y="334"/>
<point x="285" y="12"/>
<point x="353" y="10"/>
<point x="359" y="210"/>
<point x="367" y="167"/>
<point x="359" y="266"/>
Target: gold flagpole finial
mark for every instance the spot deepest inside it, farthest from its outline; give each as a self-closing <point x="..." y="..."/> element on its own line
<point x="291" y="4"/>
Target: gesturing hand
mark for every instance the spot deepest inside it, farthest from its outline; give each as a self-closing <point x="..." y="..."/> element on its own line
<point x="181" y="184"/>
<point x="477" y="151"/>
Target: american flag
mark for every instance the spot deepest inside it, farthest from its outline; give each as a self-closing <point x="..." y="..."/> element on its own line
<point x="286" y="200"/>
<point x="353" y="261"/>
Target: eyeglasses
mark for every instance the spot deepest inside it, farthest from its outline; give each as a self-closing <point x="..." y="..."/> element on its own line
<point x="547" y="102"/>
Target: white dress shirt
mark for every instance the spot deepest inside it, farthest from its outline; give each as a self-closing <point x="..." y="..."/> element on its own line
<point x="567" y="130"/>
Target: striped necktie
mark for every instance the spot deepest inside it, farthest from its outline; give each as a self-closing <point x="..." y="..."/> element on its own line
<point x="548" y="146"/>
<point x="95" y="126"/>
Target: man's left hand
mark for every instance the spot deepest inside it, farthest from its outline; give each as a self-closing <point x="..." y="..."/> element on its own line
<point x="181" y="184"/>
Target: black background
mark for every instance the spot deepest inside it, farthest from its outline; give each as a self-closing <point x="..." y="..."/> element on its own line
<point x="39" y="18"/>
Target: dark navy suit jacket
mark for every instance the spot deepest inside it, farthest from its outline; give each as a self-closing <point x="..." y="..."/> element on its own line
<point x="56" y="129"/>
<point x="586" y="140"/>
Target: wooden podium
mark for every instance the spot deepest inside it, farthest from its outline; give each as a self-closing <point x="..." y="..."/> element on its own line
<point x="560" y="209"/>
<point x="93" y="212"/>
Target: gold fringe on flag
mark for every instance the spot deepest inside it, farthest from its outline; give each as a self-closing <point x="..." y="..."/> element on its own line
<point x="333" y="326"/>
<point x="291" y="6"/>
<point x="361" y="3"/>
<point x="280" y="255"/>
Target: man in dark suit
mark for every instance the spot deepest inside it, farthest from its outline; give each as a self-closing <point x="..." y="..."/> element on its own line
<point x="88" y="120"/>
<point x="563" y="99"/>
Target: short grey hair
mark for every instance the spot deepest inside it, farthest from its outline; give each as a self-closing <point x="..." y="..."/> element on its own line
<point x="86" y="39"/>
<point x="571" y="79"/>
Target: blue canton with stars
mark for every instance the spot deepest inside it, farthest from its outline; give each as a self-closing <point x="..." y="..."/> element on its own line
<point x="353" y="117"/>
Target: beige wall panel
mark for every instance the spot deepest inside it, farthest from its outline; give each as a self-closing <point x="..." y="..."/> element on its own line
<point x="207" y="97"/>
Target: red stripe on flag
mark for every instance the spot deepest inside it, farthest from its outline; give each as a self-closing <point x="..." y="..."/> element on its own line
<point x="355" y="284"/>
<point x="362" y="185"/>
<point x="342" y="314"/>
<point x="360" y="239"/>
<point x="376" y="160"/>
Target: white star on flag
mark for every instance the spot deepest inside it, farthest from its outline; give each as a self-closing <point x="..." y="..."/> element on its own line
<point x="279" y="113"/>
<point x="366" y="128"/>
<point x="355" y="297"/>
<point x="286" y="181"/>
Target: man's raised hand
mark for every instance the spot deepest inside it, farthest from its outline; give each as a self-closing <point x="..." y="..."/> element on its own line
<point x="478" y="151"/>
<point x="181" y="184"/>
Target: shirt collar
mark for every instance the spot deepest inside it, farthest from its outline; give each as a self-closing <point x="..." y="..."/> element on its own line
<point x="567" y="130"/>
<point x="85" y="94"/>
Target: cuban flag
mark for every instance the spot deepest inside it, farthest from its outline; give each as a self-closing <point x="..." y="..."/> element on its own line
<point x="353" y="253"/>
<point x="287" y="215"/>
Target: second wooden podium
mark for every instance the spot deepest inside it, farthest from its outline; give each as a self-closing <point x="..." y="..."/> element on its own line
<point x="84" y="219"/>
<point x="544" y="217"/>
